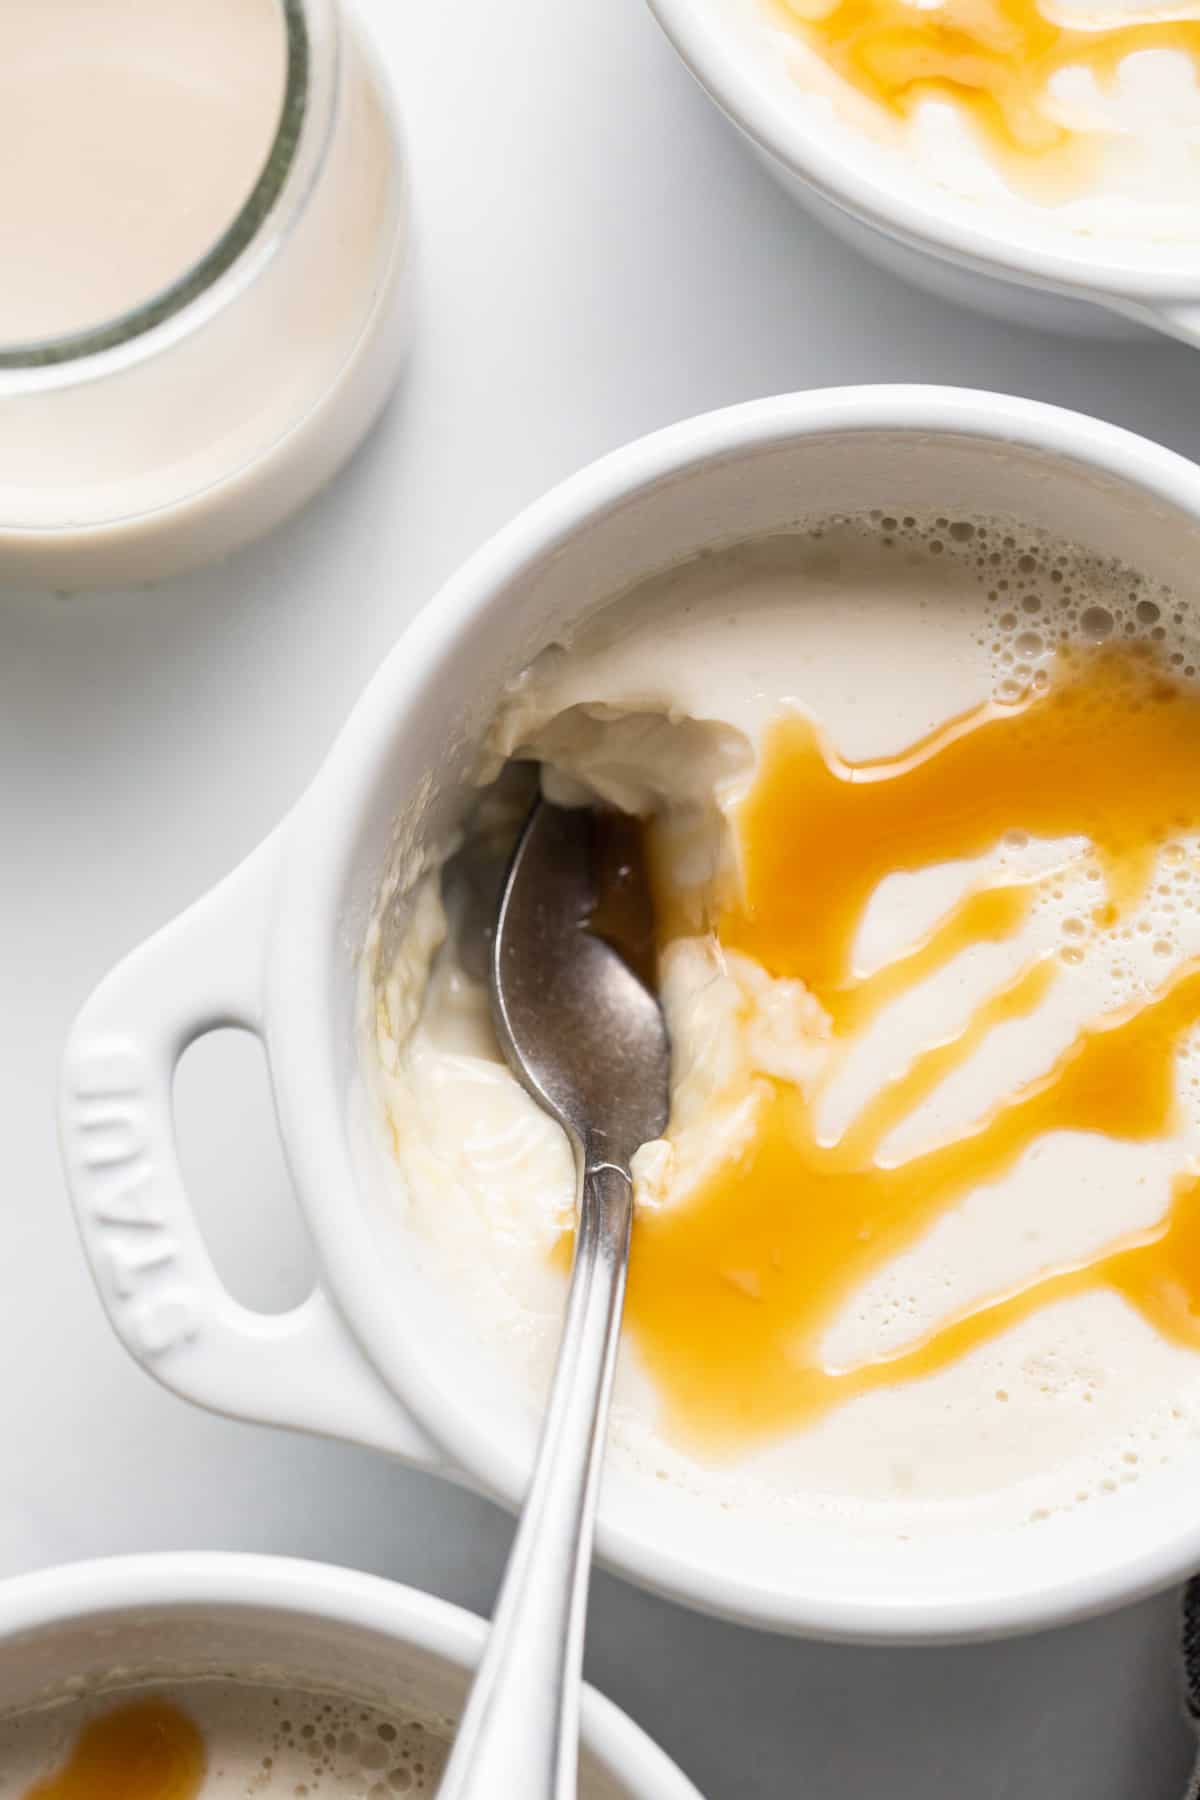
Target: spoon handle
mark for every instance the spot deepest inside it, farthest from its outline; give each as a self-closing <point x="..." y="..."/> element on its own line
<point x="519" y="1733"/>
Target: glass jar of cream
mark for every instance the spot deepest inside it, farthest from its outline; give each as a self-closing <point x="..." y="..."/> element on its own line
<point x="204" y="217"/>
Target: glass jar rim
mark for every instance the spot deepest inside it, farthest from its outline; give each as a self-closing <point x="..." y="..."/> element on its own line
<point x="306" y="113"/>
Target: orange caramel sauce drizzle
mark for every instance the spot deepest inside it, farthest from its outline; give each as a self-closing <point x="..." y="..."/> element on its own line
<point x="993" y="59"/>
<point x="733" y="1287"/>
<point x="145" y="1749"/>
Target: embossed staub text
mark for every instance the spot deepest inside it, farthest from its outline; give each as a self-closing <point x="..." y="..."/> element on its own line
<point x="125" y="1201"/>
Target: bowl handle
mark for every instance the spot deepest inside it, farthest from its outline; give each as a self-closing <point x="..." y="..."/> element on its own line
<point x="1181" y="321"/>
<point x="163" y="1296"/>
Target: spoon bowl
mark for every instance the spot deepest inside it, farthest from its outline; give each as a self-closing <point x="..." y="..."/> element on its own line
<point x="576" y="1021"/>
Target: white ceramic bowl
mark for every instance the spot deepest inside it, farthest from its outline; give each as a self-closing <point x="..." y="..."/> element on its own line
<point x="207" y="1614"/>
<point x="373" y="1355"/>
<point x="948" y="245"/>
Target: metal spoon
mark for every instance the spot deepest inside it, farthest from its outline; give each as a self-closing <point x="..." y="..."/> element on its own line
<point x="587" y="1038"/>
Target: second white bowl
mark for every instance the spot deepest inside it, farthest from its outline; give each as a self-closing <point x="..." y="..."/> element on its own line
<point x="953" y="247"/>
<point x="92" y="1627"/>
<point x="374" y="1354"/>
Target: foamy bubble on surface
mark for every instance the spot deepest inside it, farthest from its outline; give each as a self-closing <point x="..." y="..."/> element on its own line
<point x="337" y="1746"/>
<point x="1042" y="597"/>
<point x="1040" y="592"/>
<point x="260" y="1740"/>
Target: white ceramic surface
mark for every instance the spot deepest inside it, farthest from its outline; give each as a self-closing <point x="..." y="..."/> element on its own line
<point x="193" y="1615"/>
<point x="148" y="742"/>
<point x="949" y="246"/>
<point x="274" y="949"/>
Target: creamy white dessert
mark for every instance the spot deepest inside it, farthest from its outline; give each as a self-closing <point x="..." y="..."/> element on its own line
<point x="995" y="1360"/>
<point x="1076" y="117"/>
<point x="192" y="1739"/>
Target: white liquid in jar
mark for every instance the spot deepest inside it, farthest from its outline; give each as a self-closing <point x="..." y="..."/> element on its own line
<point x="200" y="425"/>
<point x="131" y="134"/>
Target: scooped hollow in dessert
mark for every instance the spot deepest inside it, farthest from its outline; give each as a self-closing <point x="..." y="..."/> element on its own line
<point x="922" y="1231"/>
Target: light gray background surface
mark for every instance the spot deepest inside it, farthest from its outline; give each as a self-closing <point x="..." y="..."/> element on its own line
<point x="599" y="256"/>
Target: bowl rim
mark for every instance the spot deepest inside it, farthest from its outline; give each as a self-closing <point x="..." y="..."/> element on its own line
<point x="317" y="856"/>
<point x="169" y="1582"/>
<point x="794" y="139"/>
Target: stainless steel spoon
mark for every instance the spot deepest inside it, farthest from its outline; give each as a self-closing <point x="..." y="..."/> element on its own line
<point x="586" y="1036"/>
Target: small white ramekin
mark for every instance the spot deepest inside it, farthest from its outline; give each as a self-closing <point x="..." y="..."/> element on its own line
<point x="87" y="1626"/>
<point x="375" y="1354"/>
<point x="1080" y="285"/>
